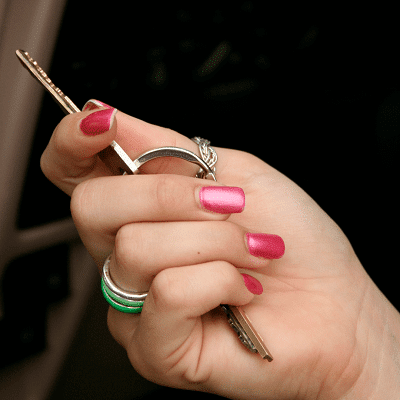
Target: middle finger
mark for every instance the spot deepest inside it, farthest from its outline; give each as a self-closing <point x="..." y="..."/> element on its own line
<point x="101" y="206"/>
<point x="143" y="250"/>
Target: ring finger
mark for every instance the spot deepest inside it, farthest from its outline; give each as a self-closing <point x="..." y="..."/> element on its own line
<point x="145" y="249"/>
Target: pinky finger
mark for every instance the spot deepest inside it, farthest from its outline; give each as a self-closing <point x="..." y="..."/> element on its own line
<point x="171" y="323"/>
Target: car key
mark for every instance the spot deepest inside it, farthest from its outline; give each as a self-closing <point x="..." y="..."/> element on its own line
<point x="120" y="163"/>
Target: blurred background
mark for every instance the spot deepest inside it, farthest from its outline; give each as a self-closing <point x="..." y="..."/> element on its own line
<point x="314" y="92"/>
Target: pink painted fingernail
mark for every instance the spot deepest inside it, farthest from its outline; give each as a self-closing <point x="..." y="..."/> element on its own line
<point x="94" y="104"/>
<point x="98" y="122"/>
<point x="265" y="245"/>
<point x="253" y="285"/>
<point x="222" y="199"/>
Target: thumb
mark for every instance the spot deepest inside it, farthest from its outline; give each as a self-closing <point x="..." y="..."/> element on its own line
<point x="136" y="137"/>
<point x="71" y="154"/>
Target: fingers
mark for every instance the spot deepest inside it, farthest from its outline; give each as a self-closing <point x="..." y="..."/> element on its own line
<point x="71" y="155"/>
<point x="170" y="331"/>
<point x="100" y="207"/>
<point x="143" y="250"/>
<point x="189" y="268"/>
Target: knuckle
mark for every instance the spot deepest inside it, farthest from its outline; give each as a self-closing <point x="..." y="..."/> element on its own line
<point x="167" y="192"/>
<point x="167" y="291"/>
<point x="81" y="208"/>
<point x="122" y="249"/>
<point x="228" y="275"/>
<point x="130" y="248"/>
<point x="86" y="205"/>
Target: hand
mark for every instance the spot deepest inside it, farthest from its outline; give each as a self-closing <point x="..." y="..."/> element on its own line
<point x="330" y="330"/>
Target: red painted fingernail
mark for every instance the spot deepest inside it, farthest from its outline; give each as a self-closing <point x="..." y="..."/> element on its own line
<point x="222" y="199"/>
<point x="98" y="122"/>
<point x="265" y="245"/>
<point x="94" y="105"/>
<point x="253" y="285"/>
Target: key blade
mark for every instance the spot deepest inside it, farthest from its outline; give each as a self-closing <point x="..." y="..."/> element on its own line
<point x="247" y="326"/>
<point x="32" y="66"/>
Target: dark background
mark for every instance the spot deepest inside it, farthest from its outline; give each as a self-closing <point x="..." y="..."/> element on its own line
<point x="312" y="91"/>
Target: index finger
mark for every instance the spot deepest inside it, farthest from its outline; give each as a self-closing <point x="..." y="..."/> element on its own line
<point x="71" y="155"/>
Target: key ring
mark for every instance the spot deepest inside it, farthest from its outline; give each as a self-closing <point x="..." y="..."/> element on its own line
<point x="121" y="164"/>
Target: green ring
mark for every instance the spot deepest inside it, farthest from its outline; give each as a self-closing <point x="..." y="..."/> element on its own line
<point x="120" y="307"/>
<point x="118" y="299"/>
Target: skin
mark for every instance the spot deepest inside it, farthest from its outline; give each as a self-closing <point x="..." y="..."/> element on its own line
<point x="331" y="331"/>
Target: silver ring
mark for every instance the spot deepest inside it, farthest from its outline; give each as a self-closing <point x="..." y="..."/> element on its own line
<point x="120" y="163"/>
<point x="208" y="155"/>
<point x="131" y="296"/>
<point x="176" y="152"/>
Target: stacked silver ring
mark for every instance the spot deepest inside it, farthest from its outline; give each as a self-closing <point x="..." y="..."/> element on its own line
<point x="128" y="302"/>
<point x="132" y="302"/>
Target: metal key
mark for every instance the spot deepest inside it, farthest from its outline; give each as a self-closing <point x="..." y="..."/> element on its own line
<point x="114" y="156"/>
<point x="120" y="163"/>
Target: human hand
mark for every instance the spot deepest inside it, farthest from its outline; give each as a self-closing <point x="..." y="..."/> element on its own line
<point x="320" y="314"/>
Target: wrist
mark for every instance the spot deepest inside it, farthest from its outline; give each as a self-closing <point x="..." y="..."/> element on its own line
<point x="379" y="336"/>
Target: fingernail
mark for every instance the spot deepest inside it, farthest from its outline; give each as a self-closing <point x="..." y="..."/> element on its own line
<point x="253" y="285"/>
<point x="222" y="199"/>
<point x="93" y="104"/>
<point x="98" y="122"/>
<point x="265" y="245"/>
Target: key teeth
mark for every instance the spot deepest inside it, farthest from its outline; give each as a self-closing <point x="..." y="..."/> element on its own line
<point x="24" y="54"/>
<point x="246" y="341"/>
